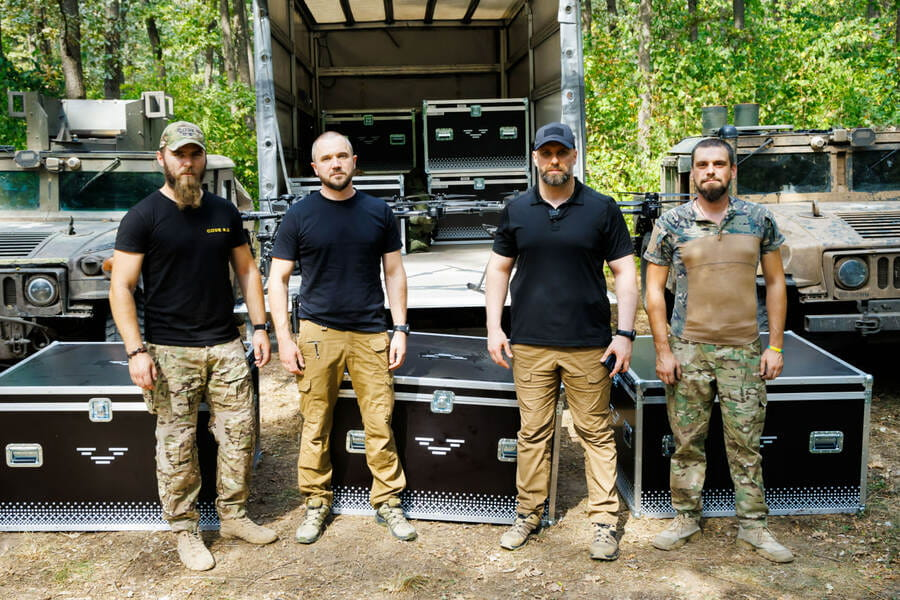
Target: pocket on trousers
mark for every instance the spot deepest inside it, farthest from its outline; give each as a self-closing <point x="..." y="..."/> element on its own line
<point x="379" y="344"/>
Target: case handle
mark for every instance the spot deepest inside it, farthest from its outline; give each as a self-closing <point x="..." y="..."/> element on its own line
<point x="506" y="450"/>
<point x="826" y="442"/>
<point x="24" y="455"/>
<point x="356" y="442"/>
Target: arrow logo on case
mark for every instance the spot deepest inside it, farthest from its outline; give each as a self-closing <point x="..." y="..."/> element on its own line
<point x="441" y="449"/>
<point x="102" y="460"/>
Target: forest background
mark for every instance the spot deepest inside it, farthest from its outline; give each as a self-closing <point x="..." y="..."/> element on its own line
<point x="650" y="65"/>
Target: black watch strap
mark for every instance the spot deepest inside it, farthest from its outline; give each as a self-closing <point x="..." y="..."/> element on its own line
<point x="630" y="334"/>
<point x="402" y="328"/>
<point x="260" y="327"/>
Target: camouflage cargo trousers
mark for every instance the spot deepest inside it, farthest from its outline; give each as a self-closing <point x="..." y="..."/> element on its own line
<point x="218" y="375"/>
<point x="732" y="372"/>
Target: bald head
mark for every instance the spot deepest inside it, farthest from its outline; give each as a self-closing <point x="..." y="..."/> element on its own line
<point x="330" y="137"/>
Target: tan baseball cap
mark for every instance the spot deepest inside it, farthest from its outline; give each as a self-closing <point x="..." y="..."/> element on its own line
<point x="181" y="133"/>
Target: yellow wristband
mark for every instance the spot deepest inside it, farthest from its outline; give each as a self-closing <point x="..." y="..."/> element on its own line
<point x="776" y="349"/>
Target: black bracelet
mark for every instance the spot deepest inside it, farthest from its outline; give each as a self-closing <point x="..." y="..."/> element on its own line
<point x="136" y="351"/>
<point x="261" y="326"/>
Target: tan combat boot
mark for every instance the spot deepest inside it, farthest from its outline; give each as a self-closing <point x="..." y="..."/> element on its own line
<point x="391" y="515"/>
<point x="246" y="530"/>
<point x="765" y="544"/>
<point x="314" y="521"/>
<point x="193" y="552"/>
<point x="682" y="529"/>
<point x="518" y="534"/>
<point x="605" y="545"/>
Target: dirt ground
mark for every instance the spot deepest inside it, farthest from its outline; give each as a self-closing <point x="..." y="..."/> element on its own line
<point x="838" y="556"/>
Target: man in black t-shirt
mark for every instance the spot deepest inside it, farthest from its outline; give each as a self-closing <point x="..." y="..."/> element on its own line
<point x="342" y="238"/>
<point x="180" y="241"/>
<point x="558" y="234"/>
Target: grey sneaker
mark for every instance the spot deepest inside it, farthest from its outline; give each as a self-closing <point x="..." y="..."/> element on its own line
<point x="193" y="552"/>
<point x="765" y="544"/>
<point x="605" y="545"/>
<point x="517" y="535"/>
<point x="682" y="529"/>
<point x="391" y="515"/>
<point x="246" y="530"/>
<point x="314" y="521"/>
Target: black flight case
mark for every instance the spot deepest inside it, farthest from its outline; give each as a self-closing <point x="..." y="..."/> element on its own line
<point x="474" y="203"/>
<point x="814" y="445"/>
<point x="383" y="140"/>
<point x="455" y="422"/>
<point x="80" y="446"/>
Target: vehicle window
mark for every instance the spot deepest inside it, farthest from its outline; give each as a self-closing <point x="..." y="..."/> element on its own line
<point x="110" y="191"/>
<point x="19" y="190"/>
<point x="791" y="173"/>
<point x="875" y="170"/>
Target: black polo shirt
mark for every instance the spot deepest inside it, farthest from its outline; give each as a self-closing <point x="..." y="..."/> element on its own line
<point x="559" y="289"/>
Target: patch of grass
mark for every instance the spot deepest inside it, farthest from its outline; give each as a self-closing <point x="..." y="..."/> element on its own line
<point x="406" y="583"/>
<point x="75" y="570"/>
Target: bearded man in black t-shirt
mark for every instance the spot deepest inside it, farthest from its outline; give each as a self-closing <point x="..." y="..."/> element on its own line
<point x="559" y="234"/>
<point x="342" y="239"/>
<point x="181" y="240"/>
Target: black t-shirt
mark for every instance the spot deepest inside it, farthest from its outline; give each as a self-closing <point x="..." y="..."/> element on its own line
<point x="188" y="299"/>
<point x="340" y="245"/>
<point x="559" y="290"/>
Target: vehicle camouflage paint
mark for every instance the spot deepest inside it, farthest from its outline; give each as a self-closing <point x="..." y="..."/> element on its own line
<point x="61" y="199"/>
<point x="835" y="194"/>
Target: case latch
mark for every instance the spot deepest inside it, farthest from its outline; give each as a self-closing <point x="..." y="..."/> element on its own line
<point x="475" y="110"/>
<point x="368" y="120"/>
<point x="100" y="410"/>
<point x="356" y="441"/>
<point x="442" y="401"/>
<point x="826" y="442"/>
<point x="506" y="450"/>
<point x="478" y="183"/>
<point x="397" y="139"/>
<point x="24" y="455"/>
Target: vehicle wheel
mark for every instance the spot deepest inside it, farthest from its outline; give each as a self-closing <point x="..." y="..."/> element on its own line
<point x="112" y="332"/>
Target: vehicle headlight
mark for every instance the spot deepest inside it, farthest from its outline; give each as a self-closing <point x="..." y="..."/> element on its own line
<point x="40" y="290"/>
<point x="851" y="273"/>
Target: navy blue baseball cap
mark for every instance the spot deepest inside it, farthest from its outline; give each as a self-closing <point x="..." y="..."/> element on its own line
<point x="554" y="132"/>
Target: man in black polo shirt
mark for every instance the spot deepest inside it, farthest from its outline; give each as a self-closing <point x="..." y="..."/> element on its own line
<point x="558" y="234"/>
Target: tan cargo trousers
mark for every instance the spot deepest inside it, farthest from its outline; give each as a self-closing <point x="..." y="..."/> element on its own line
<point x="327" y="352"/>
<point x="538" y="371"/>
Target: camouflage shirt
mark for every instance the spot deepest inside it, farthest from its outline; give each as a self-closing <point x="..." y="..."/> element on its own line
<point x="714" y="268"/>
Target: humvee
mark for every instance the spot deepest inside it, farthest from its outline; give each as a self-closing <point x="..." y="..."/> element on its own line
<point x="835" y="194"/>
<point x="61" y="199"/>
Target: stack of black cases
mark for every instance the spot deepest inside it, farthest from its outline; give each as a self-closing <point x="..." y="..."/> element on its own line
<point x="814" y="445"/>
<point x="455" y="422"/>
<point x="383" y="140"/>
<point x="478" y="148"/>
<point x="80" y="446"/>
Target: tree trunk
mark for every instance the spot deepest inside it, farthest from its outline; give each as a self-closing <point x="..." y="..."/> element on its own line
<point x="612" y="14"/>
<point x="227" y="40"/>
<point x="692" y="19"/>
<point x="645" y="14"/>
<point x="873" y="11"/>
<point x="45" y="44"/>
<point x="738" y="13"/>
<point x="156" y="47"/>
<point x="113" y="78"/>
<point x="242" y="44"/>
<point x="70" y="48"/>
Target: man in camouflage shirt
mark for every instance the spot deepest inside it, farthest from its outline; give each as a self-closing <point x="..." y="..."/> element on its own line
<point x="714" y="244"/>
<point x="181" y="240"/>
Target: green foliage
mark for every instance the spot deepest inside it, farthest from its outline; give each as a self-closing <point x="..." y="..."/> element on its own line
<point x="817" y="64"/>
<point x="12" y="130"/>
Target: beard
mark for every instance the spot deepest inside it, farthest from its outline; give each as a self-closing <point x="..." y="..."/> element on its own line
<point x="336" y="185"/>
<point x="715" y="189"/>
<point x="555" y="179"/>
<point x="186" y="188"/>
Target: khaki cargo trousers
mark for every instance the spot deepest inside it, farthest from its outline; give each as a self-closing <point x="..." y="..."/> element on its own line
<point x="538" y="371"/>
<point x="218" y="375"/>
<point x="327" y="352"/>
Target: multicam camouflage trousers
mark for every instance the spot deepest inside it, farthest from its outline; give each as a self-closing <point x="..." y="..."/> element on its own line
<point x="218" y="375"/>
<point x="732" y="372"/>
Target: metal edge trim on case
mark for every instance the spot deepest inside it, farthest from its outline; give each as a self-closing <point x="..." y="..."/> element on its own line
<point x="639" y="452"/>
<point x="864" y="462"/>
<point x="445" y="382"/>
<point x="49" y="390"/>
<point x="80" y="406"/>
<point x="426" y="399"/>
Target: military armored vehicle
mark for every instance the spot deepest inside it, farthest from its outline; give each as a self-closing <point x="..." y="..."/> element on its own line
<point x="61" y="198"/>
<point x="835" y="194"/>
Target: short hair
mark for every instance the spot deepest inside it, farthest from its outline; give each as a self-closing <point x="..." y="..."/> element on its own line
<point x="326" y="135"/>
<point x="714" y="142"/>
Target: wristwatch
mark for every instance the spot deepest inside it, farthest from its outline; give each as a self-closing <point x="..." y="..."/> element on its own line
<point x="402" y="328"/>
<point x="261" y="326"/>
<point x="630" y="334"/>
